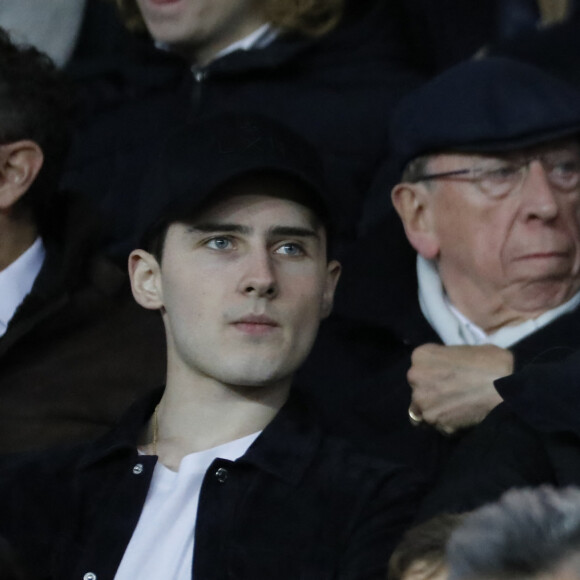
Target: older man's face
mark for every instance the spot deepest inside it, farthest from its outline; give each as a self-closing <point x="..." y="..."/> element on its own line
<point x="518" y="245"/>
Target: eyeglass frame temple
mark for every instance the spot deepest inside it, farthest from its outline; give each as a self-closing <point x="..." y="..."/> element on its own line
<point x="430" y="176"/>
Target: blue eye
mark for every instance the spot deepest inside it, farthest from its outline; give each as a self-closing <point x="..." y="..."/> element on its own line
<point x="219" y="243"/>
<point x="290" y="249"/>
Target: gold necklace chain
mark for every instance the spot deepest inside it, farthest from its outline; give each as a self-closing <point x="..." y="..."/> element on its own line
<point x="155" y="430"/>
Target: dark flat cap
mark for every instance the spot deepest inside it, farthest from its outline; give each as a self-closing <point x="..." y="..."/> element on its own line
<point x="487" y="105"/>
<point x="201" y="157"/>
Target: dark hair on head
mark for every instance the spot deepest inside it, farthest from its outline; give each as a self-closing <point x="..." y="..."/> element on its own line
<point x="36" y="103"/>
<point x="154" y="243"/>
<point x="425" y="543"/>
<point x="306" y="17"/>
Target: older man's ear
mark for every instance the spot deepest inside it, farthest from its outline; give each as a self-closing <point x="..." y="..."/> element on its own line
<point x="413" y="202"/>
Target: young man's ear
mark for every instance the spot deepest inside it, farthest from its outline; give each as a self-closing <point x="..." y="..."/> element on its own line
<point x="413" y="202"/>
<point x="144" y="272"/>
<point x="333" y="271"/>
<point x="20" y="164"/>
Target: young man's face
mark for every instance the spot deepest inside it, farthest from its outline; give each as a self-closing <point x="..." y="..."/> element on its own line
<point x="200" y="28"/>
<point x="243" y="287"/>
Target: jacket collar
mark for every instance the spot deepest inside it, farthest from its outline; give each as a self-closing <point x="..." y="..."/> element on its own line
<point x="123" y="437"/>
<point x="285" y="448"/>
<point x="385" y="295"/>
<point x="282" y="50"/>
<point x="288" y="444"/>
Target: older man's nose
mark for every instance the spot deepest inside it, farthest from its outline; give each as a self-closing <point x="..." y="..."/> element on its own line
<point x="539" y="197"/>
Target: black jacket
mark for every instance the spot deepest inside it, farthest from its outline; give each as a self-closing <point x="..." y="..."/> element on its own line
<point x="79" y="350"/>
<point x="530" y="439"/>
<point x="336" y="91"/>
<point x="501" y="453"/>
<point x="297" y="505"/>
<point x="553" y="48"/>
<point x="546" y="394"/>
<point x="356" y="375"/>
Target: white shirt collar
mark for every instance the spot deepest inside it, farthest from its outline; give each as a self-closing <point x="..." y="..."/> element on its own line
<point x="17" y="280"/>
<point x="260" y="38"/>
<point x="453" y="327"/>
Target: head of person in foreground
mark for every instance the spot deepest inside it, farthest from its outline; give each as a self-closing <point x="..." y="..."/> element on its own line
<point x="421" y="553"/>
<point x="529" y="534"/>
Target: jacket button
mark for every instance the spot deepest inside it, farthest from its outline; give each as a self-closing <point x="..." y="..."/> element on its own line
<point x="221" y="474"/>
<point x="90" y="576"/>
<point x="136" y="470"/>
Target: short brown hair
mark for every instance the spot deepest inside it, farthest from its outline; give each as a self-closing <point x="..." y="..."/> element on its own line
<point x="306" y="17"/>
<point x="426" y="543"/>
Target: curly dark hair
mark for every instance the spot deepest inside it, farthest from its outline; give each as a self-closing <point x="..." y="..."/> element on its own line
<point x="36" y="103"/>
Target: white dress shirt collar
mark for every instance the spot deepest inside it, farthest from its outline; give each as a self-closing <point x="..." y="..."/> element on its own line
<point x="17" y="280"/>
<point x="260" y="38"/>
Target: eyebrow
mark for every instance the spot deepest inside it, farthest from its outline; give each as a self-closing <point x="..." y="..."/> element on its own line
<point x="209" y="227"/>
<point x="293" y="231"/>
<point x="296" y="231"/>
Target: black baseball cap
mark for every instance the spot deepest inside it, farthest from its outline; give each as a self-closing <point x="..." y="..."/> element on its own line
<point x="487" y="105"/>
<point x="201" y="157"/>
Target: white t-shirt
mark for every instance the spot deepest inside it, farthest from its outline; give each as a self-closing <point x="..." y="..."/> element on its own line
<point x="161" y="547"/>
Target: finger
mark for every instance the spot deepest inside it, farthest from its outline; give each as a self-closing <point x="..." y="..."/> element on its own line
<point x="445" y="429"/>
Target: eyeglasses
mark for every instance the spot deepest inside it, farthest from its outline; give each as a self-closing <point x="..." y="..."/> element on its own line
<point x="500" y="178"/>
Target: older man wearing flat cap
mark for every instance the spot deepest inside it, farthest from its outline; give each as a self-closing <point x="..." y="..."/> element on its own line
<point x="489" y="199"/>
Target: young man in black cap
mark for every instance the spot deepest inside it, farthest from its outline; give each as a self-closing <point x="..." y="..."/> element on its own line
<point x="223" y="474"/>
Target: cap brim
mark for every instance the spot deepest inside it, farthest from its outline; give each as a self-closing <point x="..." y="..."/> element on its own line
<point x="513" y="143"/>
